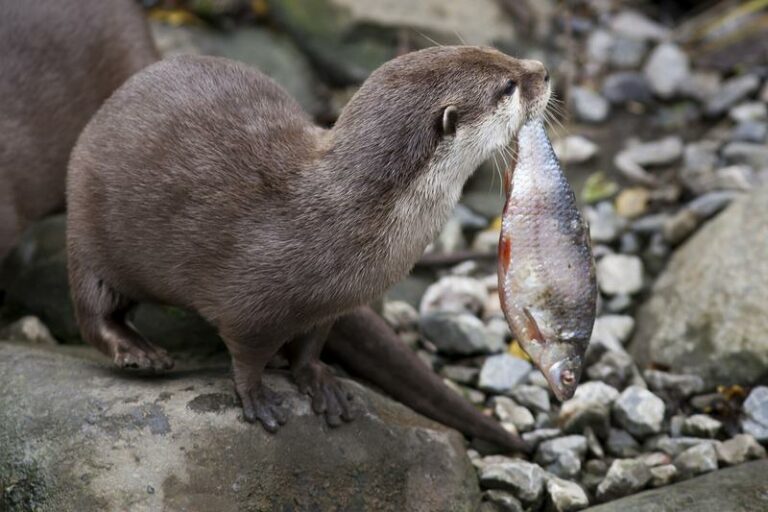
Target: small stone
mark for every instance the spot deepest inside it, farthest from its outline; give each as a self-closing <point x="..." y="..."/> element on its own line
<point x="680" y="226"/>
<point x="755" y="420"/>
<point x="674" y="446"/>
<point x="627" y="53"/>
<point x="740" y="448"/>
<point x="575" y="149"/>
<point x="28" y="329"/>
<point x="632" y="202"/>
<point x="666" y="69"/>
<point x="621" y="444"/>
<point x="533" y="397"/>
<point x="502" y="501"/>
<point x="749" y="111"/>
<point x="701" y="85"/>
<point x="639" y="411"/>
<point x="590" y="405"/>
<point x="663" y="475"/>
<point x="619" y="303"/>
<point x="620" y="274"/>
<point x="709" y="204"/>
<point x="633" y="25"/>
<point x="454" y="294"/>
<point x="655" y="459"/>
<point x="510" y="412"/>
<point x="594" y="473"/>
<point x="701" y="425"/>
<point x="449" y="240"/>
<point x="649" y="224"/>
<point x="613" y="367"/>
<point x="459" y="334"/>
<point x="566" y="496"/>
<point x="501" y="373"/>
<point x="731" y="92"/>
<point x="598" y="187"/>
<point x="657" y="152"/>
<point x="624" y="477"/>
<point x="676" y="425"/>
<point x="754" y="155"/>
<point x="697" y="460"/>
<point x="539" y="435"/>
<point x="629" y="243"/>
<point x="599" y="45"/>
<point x="750" y="131"/>
<point x="625" y="86"/>
<point x="619" y="327"/>
<point x="472" y="395"/>
<point x="486" y="241"/>
<point x="604" y="224"/>
<point x="401" y="316"/>
<point x="562" y="456"/>
<point x="588" y="105"/>
<point x="523" y="479"/>
<point x="469" y="219"/>
<point x="461" y="374"/>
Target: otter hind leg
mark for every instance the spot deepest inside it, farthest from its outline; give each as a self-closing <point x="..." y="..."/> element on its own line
<point x="314" y="378"/>
<point x="101" y="313"/>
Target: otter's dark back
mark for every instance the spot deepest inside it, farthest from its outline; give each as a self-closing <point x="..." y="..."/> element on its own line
<point x="60" y="60"/>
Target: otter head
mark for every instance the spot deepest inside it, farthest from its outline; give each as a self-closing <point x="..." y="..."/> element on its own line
<point x="440" y="111"/>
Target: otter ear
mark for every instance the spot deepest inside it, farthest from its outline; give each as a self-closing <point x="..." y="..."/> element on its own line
<point x="450" y="118"/>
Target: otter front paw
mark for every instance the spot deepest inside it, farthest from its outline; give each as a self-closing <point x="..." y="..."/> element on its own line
<point x="328" y="394"/>
<point x="263" y="405"/>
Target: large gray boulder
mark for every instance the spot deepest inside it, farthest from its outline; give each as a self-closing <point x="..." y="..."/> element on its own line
<point x="708" y="312"/>
<point x="742" y="488"/>
<point x="76" y="434"/>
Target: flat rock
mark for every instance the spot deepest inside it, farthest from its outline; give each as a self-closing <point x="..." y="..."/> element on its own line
<point x="743" y="488"/>
<point x="712" y="324"/>
<point x="76" y="434"/>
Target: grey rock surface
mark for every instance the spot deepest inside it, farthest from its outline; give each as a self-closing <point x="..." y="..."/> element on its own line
<point x="501" y="373"/>
<point x="76" y="434"/>
<point x="740" y="489"/>
<point x="713" y="324"/>
<point x="639" y="411"/>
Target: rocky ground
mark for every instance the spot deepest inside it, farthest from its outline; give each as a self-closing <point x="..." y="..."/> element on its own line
<point x="664" y="137"/>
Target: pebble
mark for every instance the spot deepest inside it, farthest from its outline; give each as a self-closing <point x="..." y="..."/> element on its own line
<point x="599" y="45"/>
<point x="486" y="241"/>
<point x="634" y="172"/>
<point x="656" y="152"/>
<point x="666" y="68"/>
<point x="624" y="477"/>
<point x="696" y="460"/>
<point x="701" y="425"/>
<point x="502" y="501"/>
<point x="740" y="448"/>
<point x="594" y="473"/>
<point x="681" y="385"/>
<point x="754" y="155"/>
<point x="625" y="86"/>
<point x="649" y="224"/>
<point x="674" y="446"/>
<point x="639" y="411"/>
<point x="401" y="316"/>
<point x="566" y="496"/>
<point x="508" y="411"/>
<point x="750" y="131"/>
<point x="562" y="456"/>
<point x="502" y="372"/>
<point x="614" y="368"/>
<point x="604" y="224"/>
<point x="663" y="475"/>
<point x="749" y="111"/>
<point x="620" y="274"/>
<point x="655" y="459"/>
<point x="680" y="226"/>
<point x="523" y="479"/>
<point x="575" y="149"/>
<point x="619" y="303"/>
<point x="454" y="294"/>
<point x="619" y="327"/>
<point x="632" y="202"/>
<point x="459" y="334"/>
<point x="469" y="219"/>
<point x="588" y="105"/>
<point x="709" y="204"/>
<point x="731" y="92"/>
<point x="460" y="374"/>
<point x="589" y="406"/>
<point x="627" y="53"/>
<point x="755" y="420"/>
<point x="701" y="85"/>
<point x="621" y="444"/>
<point x="28" y="329"/>
<point x="541" y="434"/>
<point x="633" y="25"/>
<point x="533" y="397"/>
<point x="629" y="243"/>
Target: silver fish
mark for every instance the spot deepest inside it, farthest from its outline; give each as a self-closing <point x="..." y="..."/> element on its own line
<point x="546" y="270"/>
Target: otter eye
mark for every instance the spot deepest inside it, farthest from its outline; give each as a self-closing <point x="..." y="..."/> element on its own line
<point x="509" y="88"/>
<point x="449" y="120"/>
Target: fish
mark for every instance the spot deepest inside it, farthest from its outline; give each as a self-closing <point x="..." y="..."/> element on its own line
<point x="546" y="270"/>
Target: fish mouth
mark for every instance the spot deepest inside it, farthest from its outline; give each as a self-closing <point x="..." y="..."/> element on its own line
<point x="563" y="378"/>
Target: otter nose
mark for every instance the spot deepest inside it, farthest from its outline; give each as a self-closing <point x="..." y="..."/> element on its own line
<point x="546" y="76"/>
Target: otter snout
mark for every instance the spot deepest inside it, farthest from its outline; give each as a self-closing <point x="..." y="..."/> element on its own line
<point x="535" y="87"/>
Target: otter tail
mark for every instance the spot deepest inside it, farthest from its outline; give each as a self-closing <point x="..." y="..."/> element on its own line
<point x="368" y="347"/>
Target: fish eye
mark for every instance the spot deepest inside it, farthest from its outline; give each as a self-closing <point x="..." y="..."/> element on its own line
<point x="509" y="88"/>
<point x="568" y="378"/>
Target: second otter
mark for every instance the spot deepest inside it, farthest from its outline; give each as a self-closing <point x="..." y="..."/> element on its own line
<point x="200" y="181"/>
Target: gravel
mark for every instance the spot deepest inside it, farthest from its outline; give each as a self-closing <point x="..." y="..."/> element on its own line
<point x="639" y="411"/>
<point x="624" y="477"/>
<point x="566" y="496"/>
<point x="740" y="448"/>
<point x="589" y="106"/>
<point x="523" y="479"/>
<point x="459" y="334"/>
<point x="666" y="69"/>
<point x="696" y="460"/>
<point x="701" y="425"/>
<point x="501" y="373"/>
<point x="755" y="421"/>
<point x="620" y="274"/>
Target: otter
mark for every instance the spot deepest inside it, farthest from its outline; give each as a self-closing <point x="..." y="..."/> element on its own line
<point x="60" y="60"/>
<point x="201" y="183"/>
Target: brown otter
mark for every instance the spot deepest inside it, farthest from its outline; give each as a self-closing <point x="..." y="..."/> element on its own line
<point x="201" y="183"/>
<point x="60" y="60"/>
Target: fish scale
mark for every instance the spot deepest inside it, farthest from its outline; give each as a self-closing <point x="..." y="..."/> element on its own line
<point x="546" y="270"/>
